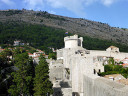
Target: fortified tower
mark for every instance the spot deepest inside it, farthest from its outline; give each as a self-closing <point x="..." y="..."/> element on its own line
<point x="73" y="41"/>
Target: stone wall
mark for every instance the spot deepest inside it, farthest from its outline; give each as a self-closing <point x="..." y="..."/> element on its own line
<point x="67" y="91"/>
<point x="116" y="55"/>
<point x="98" y="86"/>
<point x="74" y="63"/>
<point x="80" y="65"/>
<point x="56" y="70"/>
<point x="60" y="54"/>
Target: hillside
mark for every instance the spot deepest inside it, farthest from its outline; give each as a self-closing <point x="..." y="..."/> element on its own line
<point x="73" y="25"/>
<point x="21" y="25"/>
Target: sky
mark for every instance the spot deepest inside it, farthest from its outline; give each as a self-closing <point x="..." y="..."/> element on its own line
<point x="112" y="12"/>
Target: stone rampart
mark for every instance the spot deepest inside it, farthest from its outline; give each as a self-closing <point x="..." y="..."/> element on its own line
<point x="116" y="55"/>
<point x="99" y="86"/>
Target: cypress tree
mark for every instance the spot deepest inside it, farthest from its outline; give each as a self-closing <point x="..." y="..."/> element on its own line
<point x="42" y="85"/>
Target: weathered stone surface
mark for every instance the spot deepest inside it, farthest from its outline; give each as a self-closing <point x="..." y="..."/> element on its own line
<point x="76" y="70"/>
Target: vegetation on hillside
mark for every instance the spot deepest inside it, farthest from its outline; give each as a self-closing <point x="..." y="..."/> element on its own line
<point x="36" y="35"/>
<point x="74" y="25"/>
<point x="100" y="44"/>
<point x="44" y="38"/>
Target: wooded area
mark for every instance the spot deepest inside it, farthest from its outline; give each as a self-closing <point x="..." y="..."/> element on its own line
<point x="43" y="37"/>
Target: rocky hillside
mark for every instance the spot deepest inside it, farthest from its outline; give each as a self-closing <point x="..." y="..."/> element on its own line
<point x="73" y="25"/>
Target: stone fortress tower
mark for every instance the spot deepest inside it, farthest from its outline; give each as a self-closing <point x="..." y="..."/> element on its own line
<point x="74" y="73"/>
<point x="73" y="41"/>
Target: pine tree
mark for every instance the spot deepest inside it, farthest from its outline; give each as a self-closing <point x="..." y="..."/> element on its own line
<point x="42" y="85"/>
<point x="22" y="78"/>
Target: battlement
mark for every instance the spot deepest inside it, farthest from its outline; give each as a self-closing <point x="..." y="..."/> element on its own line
<point x="71" y="37"/>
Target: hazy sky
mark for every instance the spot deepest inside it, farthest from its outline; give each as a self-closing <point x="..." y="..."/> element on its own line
<point x="113" y="12"/>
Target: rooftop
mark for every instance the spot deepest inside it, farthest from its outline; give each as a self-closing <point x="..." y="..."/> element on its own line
<point x="112" y="47"/>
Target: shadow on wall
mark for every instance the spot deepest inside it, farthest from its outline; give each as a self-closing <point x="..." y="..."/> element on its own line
<point x="64" y="84"/>
<point x="57" y="92"/>
<point x="75" y="94"/>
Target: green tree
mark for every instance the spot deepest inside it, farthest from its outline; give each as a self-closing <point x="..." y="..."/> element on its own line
<point x="52" y="55"/>
<point x="22" y="78"/>
<point x="111" y="61"/>
<point x="5" y="58"/>
<point x="5" y="71"/>
<point x="108" y="68"/>
<point x="42" y="85"/>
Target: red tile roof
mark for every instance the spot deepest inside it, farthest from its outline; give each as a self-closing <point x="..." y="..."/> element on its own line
<point x="30" y="54"/>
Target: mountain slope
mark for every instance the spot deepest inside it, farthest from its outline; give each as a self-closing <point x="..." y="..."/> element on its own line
<point x="73" y="25"/>
<point x="44" y="37"/>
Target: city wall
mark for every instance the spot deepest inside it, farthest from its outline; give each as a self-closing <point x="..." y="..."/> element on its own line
<point x="116" y="55"/>
<point x="98" y="86"/>
<point x="76" y="65"/>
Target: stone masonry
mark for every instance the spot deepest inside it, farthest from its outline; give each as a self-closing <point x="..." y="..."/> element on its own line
<point x="74" y="73"/>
